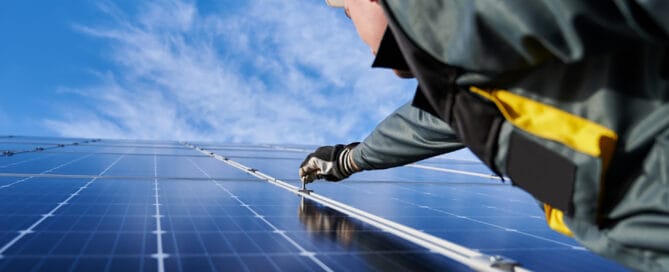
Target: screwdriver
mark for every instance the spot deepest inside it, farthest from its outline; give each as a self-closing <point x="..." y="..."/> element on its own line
<point x="304" y="188"/>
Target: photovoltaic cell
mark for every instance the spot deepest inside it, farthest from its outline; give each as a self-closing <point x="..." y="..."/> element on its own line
<point x="121" y="205"/>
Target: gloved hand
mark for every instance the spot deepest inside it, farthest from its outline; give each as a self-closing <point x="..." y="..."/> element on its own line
<point x="332" y="163"/>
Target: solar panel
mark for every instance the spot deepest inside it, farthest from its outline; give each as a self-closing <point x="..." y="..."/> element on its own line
<point x="122" y="205"/>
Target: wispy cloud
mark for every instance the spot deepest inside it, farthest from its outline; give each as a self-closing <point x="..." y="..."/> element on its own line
<point x="271" y="71"/>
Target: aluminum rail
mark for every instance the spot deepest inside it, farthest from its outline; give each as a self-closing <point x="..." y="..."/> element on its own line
<point x="474" y="259"/>
<point x="8" y="153"/>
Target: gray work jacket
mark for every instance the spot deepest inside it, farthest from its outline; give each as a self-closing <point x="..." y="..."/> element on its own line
<point x="596" y="69"/>
<point x="407" y="135"/>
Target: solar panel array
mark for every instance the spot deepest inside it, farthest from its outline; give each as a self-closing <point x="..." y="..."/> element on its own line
<point x="126" y="205"/>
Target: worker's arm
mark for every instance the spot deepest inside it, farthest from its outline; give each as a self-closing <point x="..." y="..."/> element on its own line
<point x="407" y="135"/>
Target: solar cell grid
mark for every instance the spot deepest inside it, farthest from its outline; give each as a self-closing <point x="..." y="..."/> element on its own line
<point x="158" y="206"/>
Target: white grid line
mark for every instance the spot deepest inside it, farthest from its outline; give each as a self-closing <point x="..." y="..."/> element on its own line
<point x="24" y="161"/>
<point x="30" y="229"/>
<point x="461" y="172"/>
<point x="46" y="171"/>
<point x="487" y="224"/>
<point x="302" y="250"/>
<point x="160" y="255"/>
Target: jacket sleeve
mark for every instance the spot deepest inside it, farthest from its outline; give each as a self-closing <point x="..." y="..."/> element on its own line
<point x="407" y="135"/>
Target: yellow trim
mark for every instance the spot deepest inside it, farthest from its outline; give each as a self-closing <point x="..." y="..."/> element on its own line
<point x="551" y="123"/>
<point x="554" y="124"/>
<point x="554" y="219"/>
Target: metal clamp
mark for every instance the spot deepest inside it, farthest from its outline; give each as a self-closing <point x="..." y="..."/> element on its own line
<point x="499" y="262"/>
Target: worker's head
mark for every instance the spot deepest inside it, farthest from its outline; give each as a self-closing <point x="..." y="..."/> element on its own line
<point x="370" y="22"/>
<point x="368" y="18"/>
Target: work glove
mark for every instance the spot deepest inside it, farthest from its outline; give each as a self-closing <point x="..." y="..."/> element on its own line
<point x="332" y="163"/>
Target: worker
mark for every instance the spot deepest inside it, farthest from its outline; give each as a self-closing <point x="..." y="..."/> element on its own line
<point x="567" y="98"/>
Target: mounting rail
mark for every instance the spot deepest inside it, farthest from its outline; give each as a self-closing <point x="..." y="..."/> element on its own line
<point x="474" y="259"/>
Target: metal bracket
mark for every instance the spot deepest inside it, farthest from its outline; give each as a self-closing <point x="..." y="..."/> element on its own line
<point x="304" y="189"/>
<point x="499" y="262"/>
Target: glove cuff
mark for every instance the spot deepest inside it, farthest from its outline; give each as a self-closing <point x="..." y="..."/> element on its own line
<point x="345" y="161"/>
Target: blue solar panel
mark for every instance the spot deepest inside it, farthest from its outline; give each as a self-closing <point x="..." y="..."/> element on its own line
<point x="115" y="205"/>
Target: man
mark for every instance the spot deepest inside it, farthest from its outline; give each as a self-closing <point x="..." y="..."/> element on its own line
<point x="568" y="98"/>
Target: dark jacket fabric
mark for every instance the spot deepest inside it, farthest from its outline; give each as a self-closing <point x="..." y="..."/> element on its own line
<point x="489" y="71"/>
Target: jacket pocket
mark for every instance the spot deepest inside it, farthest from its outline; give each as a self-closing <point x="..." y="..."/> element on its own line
<point x="556" y="156"/>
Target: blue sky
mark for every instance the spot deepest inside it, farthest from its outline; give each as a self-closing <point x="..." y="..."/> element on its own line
<point x="270" y="71"/>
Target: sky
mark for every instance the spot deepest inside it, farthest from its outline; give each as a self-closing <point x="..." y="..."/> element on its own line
<point x="266" y="71"/>
<point x="229" y="71"/>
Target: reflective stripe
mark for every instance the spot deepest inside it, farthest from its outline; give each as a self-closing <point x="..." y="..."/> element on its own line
<point x="550" y="123"/>
<point x="555" y="222"/>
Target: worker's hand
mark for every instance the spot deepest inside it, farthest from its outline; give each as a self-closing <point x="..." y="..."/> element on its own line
<point x="332" y="163"/>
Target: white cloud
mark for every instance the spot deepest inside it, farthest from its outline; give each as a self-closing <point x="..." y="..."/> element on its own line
<point x="274" y="71"/>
